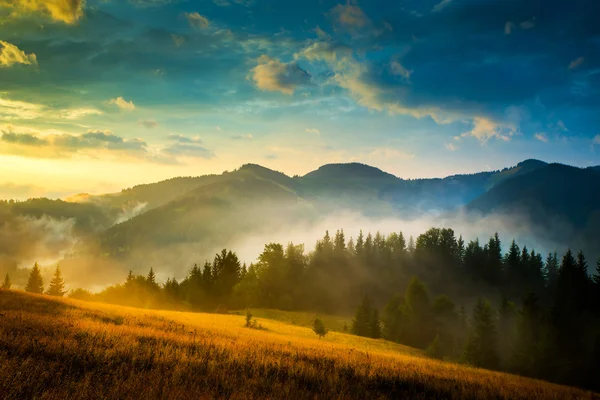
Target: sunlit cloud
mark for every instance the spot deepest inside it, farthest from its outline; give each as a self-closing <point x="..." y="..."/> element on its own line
<point x="122" y="103"/>
<point x="451" y="146"/>
<point x="11" y="55"/>
<point x="22" y="110"/>
<point x="67" y="11"/>
<point x="349" y="16"/>
<point x="196" y="20"/>
<point x="596" y="139"/>
<point x="484" y="129"/>
<point x="541" y="136"/>
<point x="65" y="144"/>
<point x="313" y="130"/>
<point x="276" y="76"/>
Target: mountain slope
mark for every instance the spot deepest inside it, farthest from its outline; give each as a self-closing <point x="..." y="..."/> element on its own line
<point x="193" y="226"/>
<point x="74" y="349"/>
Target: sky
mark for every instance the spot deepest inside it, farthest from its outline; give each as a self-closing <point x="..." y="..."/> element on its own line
<point x="100" y="95"/>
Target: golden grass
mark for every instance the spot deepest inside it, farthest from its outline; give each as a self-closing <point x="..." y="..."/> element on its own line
<point x="61" y="349"/>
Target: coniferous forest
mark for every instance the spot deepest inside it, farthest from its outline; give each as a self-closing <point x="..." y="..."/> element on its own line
<point x="510" y="309"/>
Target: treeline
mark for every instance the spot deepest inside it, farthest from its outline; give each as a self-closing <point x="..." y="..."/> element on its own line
<point x="541" y="317"/>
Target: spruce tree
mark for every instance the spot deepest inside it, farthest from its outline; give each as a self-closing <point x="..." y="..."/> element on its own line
<point x="57" y="284"/>
<point x="151" y="278"/>
<point x="481" y="348"/>
<point x="596" y="276"/>
<point x="527" y="354"/>
<point x="375" y="325"/>
<point x="35" y="283"/>
<point x="6" y="284"/>
<point x="364" y="319"/>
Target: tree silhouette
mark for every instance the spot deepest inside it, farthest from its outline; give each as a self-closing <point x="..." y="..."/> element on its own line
<point x="35" y="283"/>
<point x="481" y="350"/>
<point x="6" y="284"/>
<point x="319" y="328"/>
<point x="57" y="284"/>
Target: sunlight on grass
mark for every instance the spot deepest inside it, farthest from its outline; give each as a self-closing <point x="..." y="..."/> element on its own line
<point x="64" y="348"/>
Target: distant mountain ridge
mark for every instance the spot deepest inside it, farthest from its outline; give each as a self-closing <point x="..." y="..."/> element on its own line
<point x="157" y="223"/>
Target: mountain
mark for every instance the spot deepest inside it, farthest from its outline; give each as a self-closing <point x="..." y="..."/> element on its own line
<point x="184" y="220"/>
<point x="560" y="200"/>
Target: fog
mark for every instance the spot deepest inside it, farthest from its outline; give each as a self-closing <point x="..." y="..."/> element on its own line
<point x="49" y="241"/>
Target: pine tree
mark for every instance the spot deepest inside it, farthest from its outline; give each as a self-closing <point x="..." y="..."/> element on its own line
<point x="481" y="348"/>
<point x="57" y="284"/>
<point x="319" y="328"/>
<point x="596" y="276"/>
<point x="435" y="349"/>
<point x="151" y="278"/>
<point x="35" y="283"/>
<point x="366" y="320"/>
<point x="375" y="325"/>
<point x="7" y="283"/>
<point x="527" y="355"/>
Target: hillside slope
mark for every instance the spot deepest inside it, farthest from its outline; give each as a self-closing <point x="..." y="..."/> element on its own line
<point x="56" y="349"/>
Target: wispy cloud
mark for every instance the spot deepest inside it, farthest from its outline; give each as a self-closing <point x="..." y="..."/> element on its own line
<point x="541" y="136"/>
<point x="576" y="63"/>
<point x="247" y="136"/>
<point x="148" y="123"/>
<point x="313" y="130"/>
<point x="451" y="146"/>
<point x="441" y="5"/>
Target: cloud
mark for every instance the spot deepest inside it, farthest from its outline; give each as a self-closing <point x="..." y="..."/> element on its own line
<point x="64" y="144"/>
<point x="11" y="55"/>
<point x="25" y="139"/>
<point x="508" y="28"/>
<point x="183" y="139"/>
<point x="67" y="11"/>
<point x="398" y="69"/>
<point x="313" y="130"/>
<point x="276" y="76"/>
<point x="247" y="136"/>
<point x="451" y="146"/>
<point x="15" y="110"/>
<point x="385" y="153"/>
<point x="187" y="147"/>
<point x="530" y="24"/>
<point x="441" y="5"/>
<point x="576" y="63"/>
<point x="76" y="113"/>
<point x="541" y="136"/>
<point x="484" y="129"/>
<point x="148" y="123"/>
<point x="196" y="20"/>
<point x="350" y="17"/>
<point x="355" y="77"/>
<point x="596" y="139"/>
<point x="122" y="103"/>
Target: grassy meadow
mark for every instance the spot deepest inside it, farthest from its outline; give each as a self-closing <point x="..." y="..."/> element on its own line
<point x="61" y="349"/>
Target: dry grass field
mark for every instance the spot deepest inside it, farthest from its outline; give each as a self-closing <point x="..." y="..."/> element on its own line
<point x="65" y="349"/>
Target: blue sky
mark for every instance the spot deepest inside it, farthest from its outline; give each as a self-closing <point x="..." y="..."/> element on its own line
<point x="98" y="95"/>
